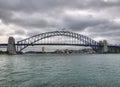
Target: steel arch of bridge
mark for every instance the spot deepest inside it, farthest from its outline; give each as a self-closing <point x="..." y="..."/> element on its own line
<point x="32" y="40"/>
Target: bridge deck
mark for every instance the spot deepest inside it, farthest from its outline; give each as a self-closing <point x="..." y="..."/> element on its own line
<point x="5" y="45"/>
<point x="51" y="44"/>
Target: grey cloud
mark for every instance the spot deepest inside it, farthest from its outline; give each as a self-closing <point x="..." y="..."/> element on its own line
<point x="3" y="32"/>
<point x="19" y="32"/>
<point x="31" y="23"/>
<point x="82" y="22"/>
<point x="110" y="33"/>
<point x="5" y="15"/>
<point x="109" y="27"/>
<point x="53" y="16"/>
<point x="52" y="5"/>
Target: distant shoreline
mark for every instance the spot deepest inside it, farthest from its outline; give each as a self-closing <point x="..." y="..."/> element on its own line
<point x="3" y="52"/>
<point x="39" y="52"/>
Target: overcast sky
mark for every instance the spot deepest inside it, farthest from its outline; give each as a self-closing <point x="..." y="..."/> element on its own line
<point x="98" y="19"/>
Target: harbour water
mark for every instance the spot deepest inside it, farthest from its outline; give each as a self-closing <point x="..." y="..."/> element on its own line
<point x="60" y="70"/>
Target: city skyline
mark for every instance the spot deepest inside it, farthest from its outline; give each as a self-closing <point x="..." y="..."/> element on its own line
<point x="96" y="19"/>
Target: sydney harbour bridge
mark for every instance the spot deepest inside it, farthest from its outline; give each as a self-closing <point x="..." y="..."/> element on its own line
<point x="62" y="38"/>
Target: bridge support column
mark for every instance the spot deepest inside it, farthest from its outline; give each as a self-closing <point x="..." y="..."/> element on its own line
<point x="11" y="49"/>
<point x="104" y="46"/>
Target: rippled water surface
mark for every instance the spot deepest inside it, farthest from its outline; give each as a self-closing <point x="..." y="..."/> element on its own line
<point x="53" y="70"/>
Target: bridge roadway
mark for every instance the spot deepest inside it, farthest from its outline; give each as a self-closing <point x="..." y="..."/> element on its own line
<point x="66" y="44"/>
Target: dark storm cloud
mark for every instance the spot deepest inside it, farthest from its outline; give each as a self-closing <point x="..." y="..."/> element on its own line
<point x="50" y="5"/>
<point x="52" y="15"/>
<point x="82" y="22"/>
<point x="41" y="23"/>
<point x="107" y="29"/>
<point x="5" y="15"/>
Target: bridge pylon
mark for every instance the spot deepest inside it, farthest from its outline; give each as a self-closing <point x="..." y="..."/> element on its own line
<point x="103" y="46"/>
<point x="11" y="48"/>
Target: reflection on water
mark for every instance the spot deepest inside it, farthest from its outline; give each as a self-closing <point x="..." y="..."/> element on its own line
<point x="52" y="70"/>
